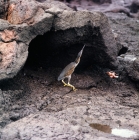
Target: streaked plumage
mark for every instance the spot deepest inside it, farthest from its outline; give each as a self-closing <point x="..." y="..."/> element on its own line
<point x="69" y="69"/>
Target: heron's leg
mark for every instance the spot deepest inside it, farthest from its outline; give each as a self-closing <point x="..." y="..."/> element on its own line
<point x="70" y="84"/>
<point x="64" y="83"/>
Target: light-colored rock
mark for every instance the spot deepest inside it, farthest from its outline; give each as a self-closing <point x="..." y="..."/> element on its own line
<point x="70" y="123"/>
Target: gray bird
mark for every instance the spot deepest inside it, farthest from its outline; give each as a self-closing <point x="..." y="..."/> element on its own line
<point x="69" y="69"/>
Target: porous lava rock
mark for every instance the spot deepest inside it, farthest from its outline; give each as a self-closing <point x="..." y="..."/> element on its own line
<point x="27" y="19"/>
<point x="3" y="8"/>
<point x="123" y="17"/>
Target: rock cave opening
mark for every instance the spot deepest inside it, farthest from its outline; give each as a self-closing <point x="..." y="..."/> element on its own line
<point x="123" y="50"/>
<point x="56" y="49"/>
<point x="134" y="7"/>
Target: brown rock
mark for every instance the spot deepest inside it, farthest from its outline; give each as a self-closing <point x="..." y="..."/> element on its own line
<point x="21" y="11"/>
<point x="8" y="52"/>
<point x="8" y="35"/>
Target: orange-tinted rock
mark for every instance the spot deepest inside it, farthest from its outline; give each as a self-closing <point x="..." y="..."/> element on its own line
<point x="21" y="12"/>
<point x="8" y="35"/>
<point x="10" y="10"/>
<point x="8" y="52"/>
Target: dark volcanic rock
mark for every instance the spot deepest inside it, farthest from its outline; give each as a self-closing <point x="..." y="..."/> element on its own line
<point x="125" y="29"/>
<point x="129" y="7"/>
<point x="73" y="122"/>
<point x="65" y="28"/>
<point x="34" y="105"/>
<point x="3" y="8"/>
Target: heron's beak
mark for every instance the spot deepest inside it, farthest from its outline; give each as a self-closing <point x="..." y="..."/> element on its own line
<point x="82" y="50"/>
<point x="83" y="47"/>
<point x="80" y="53"/>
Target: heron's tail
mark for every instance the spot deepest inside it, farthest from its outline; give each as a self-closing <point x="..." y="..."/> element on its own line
<point x="59" y="78"/>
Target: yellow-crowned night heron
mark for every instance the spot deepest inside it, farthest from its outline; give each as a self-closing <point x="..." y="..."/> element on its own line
<point x="69" y="69"/>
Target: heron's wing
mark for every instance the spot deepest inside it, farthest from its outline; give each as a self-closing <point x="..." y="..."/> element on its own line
<point x="68" y="70"/>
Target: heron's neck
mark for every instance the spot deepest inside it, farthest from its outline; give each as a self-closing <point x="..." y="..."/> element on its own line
<point x="77" y="60"/>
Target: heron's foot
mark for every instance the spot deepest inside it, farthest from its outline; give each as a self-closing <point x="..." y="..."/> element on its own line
<point x="65" y="85"/>
<point x="73" y="88"/>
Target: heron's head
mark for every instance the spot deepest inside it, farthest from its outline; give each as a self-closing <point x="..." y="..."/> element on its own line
<point x="80" y="53"/>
